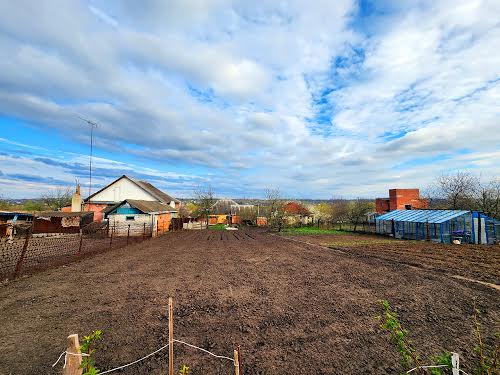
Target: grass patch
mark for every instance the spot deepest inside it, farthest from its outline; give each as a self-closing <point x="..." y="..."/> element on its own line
<point x="217" y="227"/>
<point x="313" y="230"/>
<point x="360" y="242"/>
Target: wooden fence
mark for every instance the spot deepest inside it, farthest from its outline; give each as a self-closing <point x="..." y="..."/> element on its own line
<point x="26" y="252"/>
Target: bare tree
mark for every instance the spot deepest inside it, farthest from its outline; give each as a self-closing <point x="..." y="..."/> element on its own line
<point x="275" y="210"/>
<point x="205" y="199"/>
<point x="487" y="197"/>
<point x="57" y="198"/>
<point x="457" y="190"/>
<point x="358" y="210"/>
<point x="339" y="209"/>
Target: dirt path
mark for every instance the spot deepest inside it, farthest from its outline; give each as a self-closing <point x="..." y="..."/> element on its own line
<point x="292" y="307"/>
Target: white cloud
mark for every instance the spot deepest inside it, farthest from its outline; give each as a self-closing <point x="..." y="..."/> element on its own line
<point x="270" y="93"/>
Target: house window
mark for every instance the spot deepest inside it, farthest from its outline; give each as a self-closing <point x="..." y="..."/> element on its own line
<point x="129" y="218"/>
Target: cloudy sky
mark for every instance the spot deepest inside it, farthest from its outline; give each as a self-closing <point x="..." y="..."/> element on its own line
<point x="318" y="98"/>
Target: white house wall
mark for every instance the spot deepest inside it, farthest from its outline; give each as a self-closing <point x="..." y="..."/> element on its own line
<point x="121" y="190"/>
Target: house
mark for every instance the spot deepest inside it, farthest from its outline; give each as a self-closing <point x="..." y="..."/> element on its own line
<point x="297" y="213"/>
<point x="401" y="199"/>
<point x="138" y="217"/>
<point x="125" y="188"/>
<point x="228" y="211"/>
<point x="61" y="222"/>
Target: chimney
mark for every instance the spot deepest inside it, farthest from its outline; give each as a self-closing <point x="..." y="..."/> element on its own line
<point x="76" y="200"/>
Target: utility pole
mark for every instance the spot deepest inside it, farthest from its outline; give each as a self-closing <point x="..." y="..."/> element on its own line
<point x="92" y="125"/>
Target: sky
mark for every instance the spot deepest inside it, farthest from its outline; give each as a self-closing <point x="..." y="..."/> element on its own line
<point x="317" y="98"/>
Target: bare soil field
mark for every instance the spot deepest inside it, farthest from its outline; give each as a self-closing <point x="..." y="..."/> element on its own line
<point x="294" y="308"/>
<point x="477" y="262"/>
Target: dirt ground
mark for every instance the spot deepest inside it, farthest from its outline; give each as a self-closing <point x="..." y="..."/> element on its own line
<point x="294" y="308"/>
<point x="477" y="262"/>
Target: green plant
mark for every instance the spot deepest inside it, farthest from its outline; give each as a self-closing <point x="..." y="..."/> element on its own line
<point x="389" y="321"/>
<point x="489" y="357"/>
<point x="183" y="370"/>
<point x="441" y="359"/>
<point x="87" y="347"/>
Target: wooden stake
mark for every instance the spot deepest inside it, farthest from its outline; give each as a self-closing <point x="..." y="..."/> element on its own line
<point x="240" y="362"/>
<point x="73" y="362"/>
<point x="236" y="363"/>
<point x="17" y="271"/>
<point x="455" y="363"/>
<point x="170" y="336"/>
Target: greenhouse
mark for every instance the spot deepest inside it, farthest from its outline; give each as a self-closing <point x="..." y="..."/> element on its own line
<point x="443" y="226"/>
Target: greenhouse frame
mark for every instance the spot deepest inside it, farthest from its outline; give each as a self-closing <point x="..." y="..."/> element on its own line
<point x="442" y="226"/>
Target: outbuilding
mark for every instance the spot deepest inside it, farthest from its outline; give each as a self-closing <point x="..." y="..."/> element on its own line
<point x="443" y="226"/>
<point x="139" y="217"/>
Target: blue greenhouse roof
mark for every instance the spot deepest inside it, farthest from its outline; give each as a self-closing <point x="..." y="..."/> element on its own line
<point x="422" y="216"/>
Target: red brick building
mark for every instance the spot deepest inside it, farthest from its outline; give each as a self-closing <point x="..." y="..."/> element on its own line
<point x="401" y="199"/>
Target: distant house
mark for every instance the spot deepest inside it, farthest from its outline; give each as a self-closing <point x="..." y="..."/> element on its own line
<point x="297" y="213"/>
<point x="125" y="188"/>
<point x="137" y="215"/>
<point x="228" y="211"/>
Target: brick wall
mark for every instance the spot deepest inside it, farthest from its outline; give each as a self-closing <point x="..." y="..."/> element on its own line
<point x="400" y="198"/>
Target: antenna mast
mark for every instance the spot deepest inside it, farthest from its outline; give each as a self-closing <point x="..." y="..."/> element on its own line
<point x="92" y="125"/>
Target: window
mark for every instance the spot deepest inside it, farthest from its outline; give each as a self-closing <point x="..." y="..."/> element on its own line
<point x="129" y="218"/>
<point x="407" y="206"/>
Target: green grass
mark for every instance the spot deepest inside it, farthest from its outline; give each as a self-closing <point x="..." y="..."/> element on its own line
<point x="313" y="230"/>
<point x="217" y="227"/>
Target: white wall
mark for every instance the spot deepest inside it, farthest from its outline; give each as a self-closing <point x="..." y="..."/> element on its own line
<point x="121" y="190"/>
<point x="120" y="223"/>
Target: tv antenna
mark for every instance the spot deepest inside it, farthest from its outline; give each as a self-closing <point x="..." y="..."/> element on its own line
<point x="92" y="126"/>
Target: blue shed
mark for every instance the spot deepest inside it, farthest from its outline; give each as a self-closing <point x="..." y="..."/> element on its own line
<point x="439" y="226"/>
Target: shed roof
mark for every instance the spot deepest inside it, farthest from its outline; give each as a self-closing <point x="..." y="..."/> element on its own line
<point x="422" y="216"/>
<point x="144" y="206"/>
<point x="63" y="214"/>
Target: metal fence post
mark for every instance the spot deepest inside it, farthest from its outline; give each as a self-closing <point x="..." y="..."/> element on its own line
<point x="128" y="233"/>
<point x="80" y="245"/>
<point x="23" y="253"/>
<point x="111" y="237"/>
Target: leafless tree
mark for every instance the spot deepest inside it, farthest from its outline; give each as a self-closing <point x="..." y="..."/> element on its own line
<point x="57" y="198"/>
<point x="205" y="199"/>
<point x="487" y="198"/>
<point x="339" y="209"/>
<point x="457" y="190"/>
<point x="275" y="210"/>
<point x="358" y="210"/>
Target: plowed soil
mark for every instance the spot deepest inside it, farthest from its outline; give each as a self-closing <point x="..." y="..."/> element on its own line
<point x="294" y="308"/>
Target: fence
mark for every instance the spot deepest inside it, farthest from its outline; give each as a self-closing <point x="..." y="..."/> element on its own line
<point x="364" y="227"/>
<point x="73" y="357"/>
<point x="26" y="252"/>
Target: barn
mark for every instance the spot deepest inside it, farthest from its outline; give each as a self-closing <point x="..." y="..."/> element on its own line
<point x="442" y="226"/>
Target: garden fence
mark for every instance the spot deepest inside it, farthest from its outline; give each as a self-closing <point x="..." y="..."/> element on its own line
<point x="25" y="252"/>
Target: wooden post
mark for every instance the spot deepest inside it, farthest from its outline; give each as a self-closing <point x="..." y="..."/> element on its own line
<point x="23" y="253"/>
<point x="73" y="362"/>
<point x="236" y="363"/>
<point x="80" y="245"/>
<point x="240" y="362"/>
<point x="128" y="233"/>
<point x="144" y="232"/>
<point x="455" y="363"/>
<point x="170" y="336"/>
<point x="111" y="237"/>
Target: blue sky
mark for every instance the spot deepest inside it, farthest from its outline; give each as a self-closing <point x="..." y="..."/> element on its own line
<point x="320" y="98"/>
